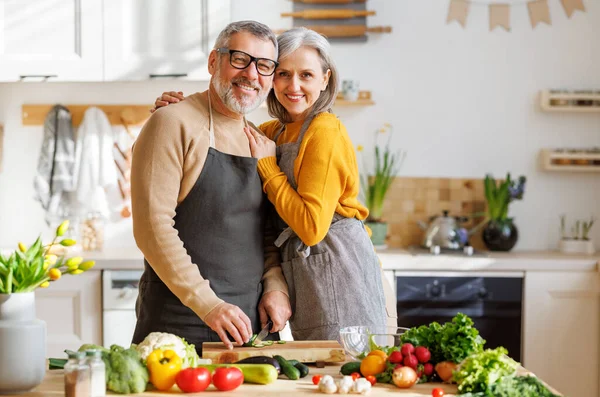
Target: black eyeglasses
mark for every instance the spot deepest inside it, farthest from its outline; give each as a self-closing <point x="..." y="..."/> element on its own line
<point x="241" y="60"/>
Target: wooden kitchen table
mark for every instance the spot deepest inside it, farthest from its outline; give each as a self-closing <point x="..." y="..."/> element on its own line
<point x="53" y="385"/>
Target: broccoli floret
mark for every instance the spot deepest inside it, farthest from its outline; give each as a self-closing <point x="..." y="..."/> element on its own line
<point x="125" y="372"/>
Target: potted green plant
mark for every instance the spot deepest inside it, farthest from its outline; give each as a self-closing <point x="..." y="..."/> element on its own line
<point x="22" y="335"/>
<point x="500" y="232"/>
<point x="578" y="241"/>
<point x="375" y="182"/>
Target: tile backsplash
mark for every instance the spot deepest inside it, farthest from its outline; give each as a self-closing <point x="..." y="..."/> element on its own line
<point x="413" y="199"/>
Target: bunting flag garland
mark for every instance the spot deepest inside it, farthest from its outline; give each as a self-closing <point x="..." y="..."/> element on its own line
<point x="500" y="16"/>
<point x="571" y="5"/>
<point x="499" y="12"/>
<point x="539" y="12"/>
<point x="459" y="9"/>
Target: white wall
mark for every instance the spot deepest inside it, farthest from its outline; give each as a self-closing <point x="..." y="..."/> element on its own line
<point x="463" y="102"/>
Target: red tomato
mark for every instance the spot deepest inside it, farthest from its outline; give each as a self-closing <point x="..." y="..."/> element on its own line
<point x="193" y="380"/>
<point x="355" y="375"/>
<point x="227" y="378"/>
<point x="316" y="379"/>
<point x="437" y="392"/>
<point x="372" y="380"/>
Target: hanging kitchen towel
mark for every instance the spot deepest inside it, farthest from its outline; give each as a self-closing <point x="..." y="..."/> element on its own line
<point x="54" y="178"/>
<point x="95" y="177"/>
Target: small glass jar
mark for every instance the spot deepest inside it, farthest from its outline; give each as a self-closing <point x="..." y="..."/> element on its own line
<point x="98" y="372"/>
<point x="77" y="376"/>
<point x="92" y="232"/>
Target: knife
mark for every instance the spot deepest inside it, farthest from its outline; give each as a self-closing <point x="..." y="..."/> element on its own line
<point x="263" y="333"/>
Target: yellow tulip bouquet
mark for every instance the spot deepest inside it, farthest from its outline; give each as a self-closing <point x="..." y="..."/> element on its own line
<point x="28" y="268"/>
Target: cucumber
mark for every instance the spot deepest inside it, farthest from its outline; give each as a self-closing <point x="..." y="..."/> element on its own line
<point x="250" y="343"/>
<point x="302" y="368"/>
<point x="261" y="360"/>
<point x="288" y="369"/>
<point x="349" y="368"/>
<point x="262" y="374"/>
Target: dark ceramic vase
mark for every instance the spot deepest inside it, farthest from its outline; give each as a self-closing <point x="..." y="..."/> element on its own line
<point x="500" y="235"/>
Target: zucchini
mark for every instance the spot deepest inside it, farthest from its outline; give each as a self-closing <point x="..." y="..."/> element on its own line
<point x="302" y="368"/>
<point x="349" y="368"/>
<point x="293" y="362"/>
<point x="262" y="374"/>
<point x="56" y="363"/>
<point x="250" y="343"/>
<point x="261" y="360"/>
<point x="288" y="369"/>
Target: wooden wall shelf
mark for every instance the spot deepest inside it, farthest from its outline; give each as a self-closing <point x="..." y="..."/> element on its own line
<point x="570" y="161"/>
<point x="117" y="114"/>
<point x="364" y="99"/>
<point x="570" y="101"/>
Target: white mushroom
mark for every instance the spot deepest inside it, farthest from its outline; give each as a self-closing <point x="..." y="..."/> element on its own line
<point x="327" y="385"/>
<point x="345" y="385"/>
<point x="362" y="386"/>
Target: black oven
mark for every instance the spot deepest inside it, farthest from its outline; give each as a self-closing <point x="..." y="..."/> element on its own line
<point x="493" y="301"/>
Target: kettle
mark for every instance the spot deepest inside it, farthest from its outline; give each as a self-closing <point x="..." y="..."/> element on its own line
<point x="445" y="231"/>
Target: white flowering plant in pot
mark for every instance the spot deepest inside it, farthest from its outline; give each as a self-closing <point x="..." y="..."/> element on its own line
<point x="376" y="181"/>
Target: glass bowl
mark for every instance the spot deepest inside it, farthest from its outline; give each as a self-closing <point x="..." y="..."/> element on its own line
<point x="359" y="340"/>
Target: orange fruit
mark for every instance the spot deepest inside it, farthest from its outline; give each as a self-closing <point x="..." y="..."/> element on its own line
<point x="379" y="353"/>
<point x="372" y="365"/>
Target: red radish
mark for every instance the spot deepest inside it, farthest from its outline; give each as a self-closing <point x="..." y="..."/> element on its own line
<point x="395" y="357"/>
<point x="411" y="361"/>
<point x="428" y="369"/>
<point x="407" y="349"/>
<point x="423" y="354"/>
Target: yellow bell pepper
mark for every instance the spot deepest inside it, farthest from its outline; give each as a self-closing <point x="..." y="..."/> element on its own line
<point x="163" y="365"/>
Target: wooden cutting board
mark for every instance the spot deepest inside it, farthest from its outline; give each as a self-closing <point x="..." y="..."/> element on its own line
<point x="310" y="351"/>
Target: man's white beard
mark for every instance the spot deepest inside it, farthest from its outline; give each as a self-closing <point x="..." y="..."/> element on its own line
<point x="245" y="104"/>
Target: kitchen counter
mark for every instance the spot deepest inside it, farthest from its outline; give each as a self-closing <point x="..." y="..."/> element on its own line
<point x="402" y="259"/>
<point x="53" y="385"/>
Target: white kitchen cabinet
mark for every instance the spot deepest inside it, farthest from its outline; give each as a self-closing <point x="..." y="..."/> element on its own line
<point x="53" y="40"/>
<point x="562" y="330"/>
<point x="146" y="39"/>
<point x="72" y="310"/>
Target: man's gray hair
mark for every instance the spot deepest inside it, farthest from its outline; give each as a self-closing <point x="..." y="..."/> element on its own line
<point x="290" y="41"/>
<point x="256" y="29"/>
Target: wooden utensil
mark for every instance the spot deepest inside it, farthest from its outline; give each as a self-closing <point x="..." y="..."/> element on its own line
<point x="328" y="14"/>
<point x="328" y="351"/>
<point x="329" y="1"/>
<point x="346" y="30"/>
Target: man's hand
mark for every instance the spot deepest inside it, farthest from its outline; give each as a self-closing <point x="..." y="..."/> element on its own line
<point x="166" y="98"/>
<point x="229" y="318"/>
<point x="276" y="306"/>
<point x="260" y="145"/>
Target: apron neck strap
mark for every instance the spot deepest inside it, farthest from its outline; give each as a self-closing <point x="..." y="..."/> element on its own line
<point x="211" y="132"/>
<point x="303" y="129"/>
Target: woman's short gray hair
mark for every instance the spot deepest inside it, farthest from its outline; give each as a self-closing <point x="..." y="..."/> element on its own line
<point x="256" y="29"/>
<point x="290" y="41"/>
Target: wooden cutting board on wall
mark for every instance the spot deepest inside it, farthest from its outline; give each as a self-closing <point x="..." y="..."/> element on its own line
<point x="303" y="351"/>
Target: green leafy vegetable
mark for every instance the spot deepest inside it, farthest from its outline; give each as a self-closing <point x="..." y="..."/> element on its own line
<point x="519" y="386"/>
<point x="453" y="341"/>
<point x="478" y="372"/>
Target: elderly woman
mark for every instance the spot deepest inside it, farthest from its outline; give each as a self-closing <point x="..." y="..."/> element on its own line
<point x="309" y="171"/>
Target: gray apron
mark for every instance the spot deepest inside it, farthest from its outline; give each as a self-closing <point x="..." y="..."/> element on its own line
<point x="336" y="283"/>
<point x="221" y="225"/>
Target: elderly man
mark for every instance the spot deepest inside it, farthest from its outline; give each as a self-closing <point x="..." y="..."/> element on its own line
<point x="211" y="270"/>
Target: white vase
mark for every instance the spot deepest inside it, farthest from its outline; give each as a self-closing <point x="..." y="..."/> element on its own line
<point x="576" y="247"/>
<point x="22" y="344"/>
